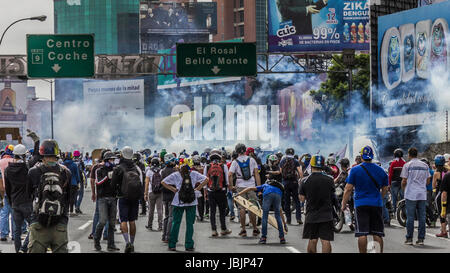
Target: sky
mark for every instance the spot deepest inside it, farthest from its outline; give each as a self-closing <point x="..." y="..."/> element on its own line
<point x="14" y="41"/>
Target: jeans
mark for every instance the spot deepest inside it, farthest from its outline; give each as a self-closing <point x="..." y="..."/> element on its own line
<point x="230" y="203"/>
<point x="155" y="200"/>
<point x="21" y="213"/>
<point x="168" y="217"/>
<point x="95" y="222"/>
<point x="411" y="208"/>
<point x="395" y="190"/>
<point x="219" y="199"/>
<point x="4" y="219"/>
<point x="291" y="190"/>
<point x="79" y="197"/>
<point x="269" y="200"/>
<point x="107" y="208"/>
<point x="386" y="217"/>
<point x="190" y="219"/>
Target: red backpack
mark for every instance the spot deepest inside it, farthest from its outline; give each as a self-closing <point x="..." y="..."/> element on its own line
<point x="216" y="177"/>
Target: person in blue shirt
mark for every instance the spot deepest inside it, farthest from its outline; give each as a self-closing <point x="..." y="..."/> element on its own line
<point x="75" y="180"/>
<point x="272" y="193"/>
<point x="369" y="182"/>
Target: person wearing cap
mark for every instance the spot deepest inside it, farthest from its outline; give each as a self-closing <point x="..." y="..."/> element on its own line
<point x="415" y="177"/>
<point x="16" y="175"/>
<point x="318" y="190"/>
<point x="128" y="209"/>
<point x="55" y="235"/>
<point x="369" y="183"/>
<point x="6" y="211"/>
<point x="107" y="201"/>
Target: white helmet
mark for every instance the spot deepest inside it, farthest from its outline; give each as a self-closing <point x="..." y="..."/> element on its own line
<point x="19" y="150"/>
<point x="447" y="157"/>
<point x="127" y="152"/>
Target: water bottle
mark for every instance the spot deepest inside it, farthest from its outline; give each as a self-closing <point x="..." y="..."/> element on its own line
<point x="348" y="217"/>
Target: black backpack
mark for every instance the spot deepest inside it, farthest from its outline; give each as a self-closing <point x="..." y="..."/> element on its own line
<point x="288" y="170"/>
<point x="186" y="193"/>
<point x="156" y="181"/>
<point x="131" y="185"/>
<point x="49" y="205"/>
<point x="277" y="184"/>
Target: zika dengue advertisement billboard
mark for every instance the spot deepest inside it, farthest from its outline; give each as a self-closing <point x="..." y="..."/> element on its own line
<point x="412" y="45"/>
<point x="318" y="25"/>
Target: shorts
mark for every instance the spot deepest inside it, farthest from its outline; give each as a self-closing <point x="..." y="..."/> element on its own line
<point x="250" y="195"/>
<point x="369" y="221"/>
<point x="323" y="230"/>
<point x="128" y="210"/>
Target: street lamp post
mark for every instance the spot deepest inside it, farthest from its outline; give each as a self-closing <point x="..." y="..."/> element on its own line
<point x="51" y="103"/>
<point x="39" y="18"/>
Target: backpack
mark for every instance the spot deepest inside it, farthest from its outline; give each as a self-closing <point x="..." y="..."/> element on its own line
<point x="277" y="184"/>
<point x="288" y="170"/>
<point x="186" y="193"/>
<point x="131" y="185"/>
<point x="245" y="169"/>
<point x="216" y="177"/>
<point x="49" y="205"/>
<point x="156" y="181"/>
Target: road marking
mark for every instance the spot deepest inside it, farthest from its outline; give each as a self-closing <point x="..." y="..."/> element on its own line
<point x="429" y="234"/>
<point x="293" y="249"/>
<point x="83" y="227"/>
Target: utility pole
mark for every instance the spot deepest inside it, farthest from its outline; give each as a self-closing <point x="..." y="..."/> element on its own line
<point x="348" y="58"/>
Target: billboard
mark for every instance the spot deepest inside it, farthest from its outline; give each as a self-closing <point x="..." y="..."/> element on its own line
<point x="161" y="23"/>
<point x="13" y="102"/>
<point x="412" y="46"/>
<point x="323" y="25"/>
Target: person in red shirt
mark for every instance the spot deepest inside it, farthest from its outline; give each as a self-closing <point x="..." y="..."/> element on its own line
<point x="395" y="181"/>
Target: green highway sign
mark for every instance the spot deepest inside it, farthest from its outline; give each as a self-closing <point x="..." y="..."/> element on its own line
<point x="216" y="59"/>
<point x="60" y="55"/>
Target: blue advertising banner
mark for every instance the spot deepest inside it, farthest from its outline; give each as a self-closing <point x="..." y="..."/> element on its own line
<point x="412" y="47"/>
<point x="318" y="25"/>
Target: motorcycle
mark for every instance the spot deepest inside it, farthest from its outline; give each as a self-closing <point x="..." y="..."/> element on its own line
<point x="432" y="213"/>
<point x="338" y="215"/>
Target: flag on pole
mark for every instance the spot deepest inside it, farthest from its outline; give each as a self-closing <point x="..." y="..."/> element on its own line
<point x="340" y="155"/>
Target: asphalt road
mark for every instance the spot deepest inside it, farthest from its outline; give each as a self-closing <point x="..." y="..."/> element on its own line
<point x="147" y="241"/>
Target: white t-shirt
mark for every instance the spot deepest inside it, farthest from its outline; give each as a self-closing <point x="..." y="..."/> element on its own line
<point x="176" y="180"/>
<point x="241" y="183"/>
<point x="416" y="172"/>
<point x="149" y="173"/>
<point x="225" y="170"/>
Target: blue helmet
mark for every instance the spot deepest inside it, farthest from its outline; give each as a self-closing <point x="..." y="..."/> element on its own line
<point x="439" y="160"/>
<point x="367" y="153"/>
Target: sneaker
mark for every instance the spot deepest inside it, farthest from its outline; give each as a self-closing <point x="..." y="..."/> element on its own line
<point x="256" y="232"/>
<point x="232" y="218"/>
<point x="78" y="211"/>
<point x="132" y="248"/>
<point x="300" y="222"/>
<point x="172" y="249"/>
<point x="262" y="241"/>
<point x="113" y="248"/>
<point x="97" y="245"/>
<point x="3" y="239"/>
<point x="90" y="237"/>
<point x="409" y="242"/>
<point x="190" y="249"/>
<point x="420" y="242"/>
<point x="160" y="228"/>
<point x="442" y="235"/>
<point x="225" y="232"/>
<point x="282" y="241"/>
<point x="243" y="233"/>
<point x="148" y="227"/>
<point x="128" y="248"/>
<point x="215" y="234"/>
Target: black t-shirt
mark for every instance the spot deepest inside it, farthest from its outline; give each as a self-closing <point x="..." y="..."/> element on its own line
<point x="445" y="185"/>
<point x="272" y="168"/>
<point x="319" y="190"/>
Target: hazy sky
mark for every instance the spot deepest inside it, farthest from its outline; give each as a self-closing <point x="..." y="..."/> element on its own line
<point x="14" y="41"/>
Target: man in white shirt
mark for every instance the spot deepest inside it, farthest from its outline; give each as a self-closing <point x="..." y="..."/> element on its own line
<point x="247" y="173"/>
<point x="415" y="177"/>
<point x="154" y="198"/>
